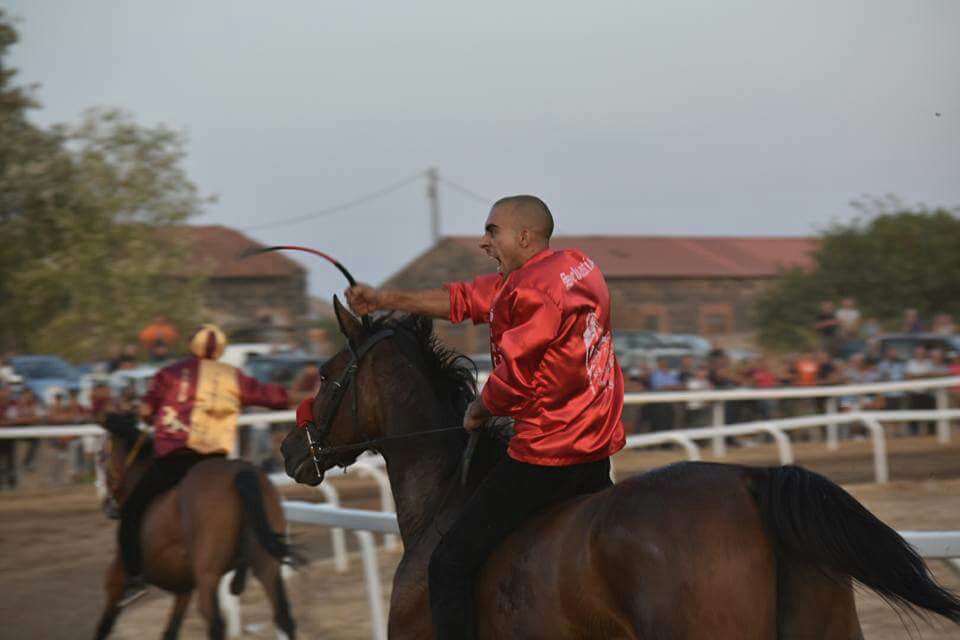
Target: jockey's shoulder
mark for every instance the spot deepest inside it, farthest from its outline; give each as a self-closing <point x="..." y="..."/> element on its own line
<point x="554" y="272"/>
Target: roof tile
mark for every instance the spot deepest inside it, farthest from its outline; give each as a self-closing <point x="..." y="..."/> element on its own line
<point x="685" y="256"/>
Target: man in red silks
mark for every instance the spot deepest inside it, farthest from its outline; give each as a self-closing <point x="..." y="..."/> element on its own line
<point x="554" y="373"/>
<point x="193" y="406"/>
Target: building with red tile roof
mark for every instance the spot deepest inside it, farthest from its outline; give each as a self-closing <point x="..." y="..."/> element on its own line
<point x="257" y="298"/>
<point x="679" y="284"/>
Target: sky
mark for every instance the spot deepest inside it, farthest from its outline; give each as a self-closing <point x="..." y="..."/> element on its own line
<point x="746" y="117"/>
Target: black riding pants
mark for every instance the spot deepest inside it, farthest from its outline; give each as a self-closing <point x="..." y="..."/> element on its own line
<point x="161" y="476"/>
<point x="508" y="496"/>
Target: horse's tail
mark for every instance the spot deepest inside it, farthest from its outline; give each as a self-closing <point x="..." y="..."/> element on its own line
<point x="247" y="483"/>
<point x="815" y="521"/>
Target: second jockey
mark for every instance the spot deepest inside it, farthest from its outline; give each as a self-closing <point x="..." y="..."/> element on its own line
<point x="192" y="405"/>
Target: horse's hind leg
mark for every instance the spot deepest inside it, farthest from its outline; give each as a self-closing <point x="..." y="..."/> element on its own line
<point x="267" y="570"/>
<point x="176" y="616"/>
<point x="209" y="605"/>
<point x="114" y="588"/>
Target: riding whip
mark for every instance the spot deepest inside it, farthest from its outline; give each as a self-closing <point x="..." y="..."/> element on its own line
<point x="252" y="251"/>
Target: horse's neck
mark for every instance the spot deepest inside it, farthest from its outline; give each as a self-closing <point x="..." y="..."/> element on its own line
<point x="420" y="477"/>
<point x="426" y="486"/>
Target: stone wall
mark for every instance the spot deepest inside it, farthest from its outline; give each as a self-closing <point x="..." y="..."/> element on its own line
<point x="706" y="306"/>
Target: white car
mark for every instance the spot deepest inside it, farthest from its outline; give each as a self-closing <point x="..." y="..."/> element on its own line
<point x="238" y="354"/>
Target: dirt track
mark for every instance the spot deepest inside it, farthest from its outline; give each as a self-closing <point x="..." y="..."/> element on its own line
<point x="55" y="545"/>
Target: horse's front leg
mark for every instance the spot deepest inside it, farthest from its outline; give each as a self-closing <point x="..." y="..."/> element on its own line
<point x="176" y="616"/>
<point x="114" y="588"/>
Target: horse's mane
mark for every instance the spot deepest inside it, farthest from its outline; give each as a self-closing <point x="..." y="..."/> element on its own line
<point x="452" y="374"/>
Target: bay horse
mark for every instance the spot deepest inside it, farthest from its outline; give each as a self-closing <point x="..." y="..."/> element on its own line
<point x="224" y="515"/>
<point x="692" y="551"/>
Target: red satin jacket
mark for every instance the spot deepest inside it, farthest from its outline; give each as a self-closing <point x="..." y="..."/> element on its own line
<point x="194" y="404"/>
<point x="554" y="370"/>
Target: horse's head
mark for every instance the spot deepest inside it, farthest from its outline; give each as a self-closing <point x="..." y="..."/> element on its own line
<point x="347" y="409"/>
<point x="126" y="453"/>
<point x="393" y="378"/>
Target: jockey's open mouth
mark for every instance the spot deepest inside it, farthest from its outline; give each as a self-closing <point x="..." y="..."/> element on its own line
<point x="493" y="257"/>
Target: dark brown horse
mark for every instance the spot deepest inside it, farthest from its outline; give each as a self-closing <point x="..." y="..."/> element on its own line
<point x="690" y="551"/>
<point x="224" y="515"/>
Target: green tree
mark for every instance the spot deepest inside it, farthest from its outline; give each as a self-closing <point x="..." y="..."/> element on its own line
<point x="889" y="258"/>
<point x="87" y="218"/>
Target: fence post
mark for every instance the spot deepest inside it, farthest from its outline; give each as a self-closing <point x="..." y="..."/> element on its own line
<point x="229" y="606"/>
<point x="833" y="441"/>
<point x="943" y="424"/>
<point x="390" y="541"/>
<point x="336" y="533"/>
<point x="719" y="444"/>
<point x="372" y="574"/>
<point x="880" y="469"/>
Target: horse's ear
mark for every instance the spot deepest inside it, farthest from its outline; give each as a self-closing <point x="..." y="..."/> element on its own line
<point x="349" y="325"/>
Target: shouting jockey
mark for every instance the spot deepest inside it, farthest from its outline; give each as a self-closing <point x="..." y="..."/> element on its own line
<point x="554" y="373"/>
<point x="193" y="407"/>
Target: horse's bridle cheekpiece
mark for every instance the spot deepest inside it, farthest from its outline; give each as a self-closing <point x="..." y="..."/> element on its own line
<point x="318" y="433"/>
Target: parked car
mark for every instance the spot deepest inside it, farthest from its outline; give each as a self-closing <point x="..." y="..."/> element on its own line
<point x="905" y="343"/>
<point x="136" y="379"/>
<point x="46" y="375"/>
<point x="237" y="354"/>
<point x="698" y="344"/>
<point x="280" y="368"/>
<point x="627" y="341"/>
<point x="636" y="348"/>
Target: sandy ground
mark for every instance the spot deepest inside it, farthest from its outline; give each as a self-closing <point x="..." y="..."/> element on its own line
<point x="55" y="546"/>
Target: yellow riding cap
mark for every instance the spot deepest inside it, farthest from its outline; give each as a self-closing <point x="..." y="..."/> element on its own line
<point x="208" y="342"/>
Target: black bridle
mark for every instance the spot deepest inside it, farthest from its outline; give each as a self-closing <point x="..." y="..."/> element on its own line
<point x="318" y="433"/>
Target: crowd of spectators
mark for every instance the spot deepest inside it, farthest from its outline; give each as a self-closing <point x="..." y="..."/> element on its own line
<point x="72" y="457"/>
<point x="849" y="354"/>
<point x="21" y="408"/>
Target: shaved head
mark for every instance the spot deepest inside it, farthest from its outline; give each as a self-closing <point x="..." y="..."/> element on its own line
<point x="528" y="212"/>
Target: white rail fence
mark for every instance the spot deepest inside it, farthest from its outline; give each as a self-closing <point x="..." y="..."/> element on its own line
<point x="687" y="438"/>
<point x="939" y="386"/>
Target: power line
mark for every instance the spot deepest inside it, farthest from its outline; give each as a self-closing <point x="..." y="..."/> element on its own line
<point x="343" y="206"/>
<point x="467" y="192"/>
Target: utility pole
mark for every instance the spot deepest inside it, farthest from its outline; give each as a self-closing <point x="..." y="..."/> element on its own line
<point x="433" y="195"/>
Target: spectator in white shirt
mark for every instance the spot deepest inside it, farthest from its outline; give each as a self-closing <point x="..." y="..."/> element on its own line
<point x="848" y="319"/>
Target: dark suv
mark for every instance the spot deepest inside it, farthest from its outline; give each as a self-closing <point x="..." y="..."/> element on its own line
<point x="281" y="368"/>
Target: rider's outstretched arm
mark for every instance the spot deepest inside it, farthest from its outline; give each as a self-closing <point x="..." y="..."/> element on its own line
<point x="426" y="302"/>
